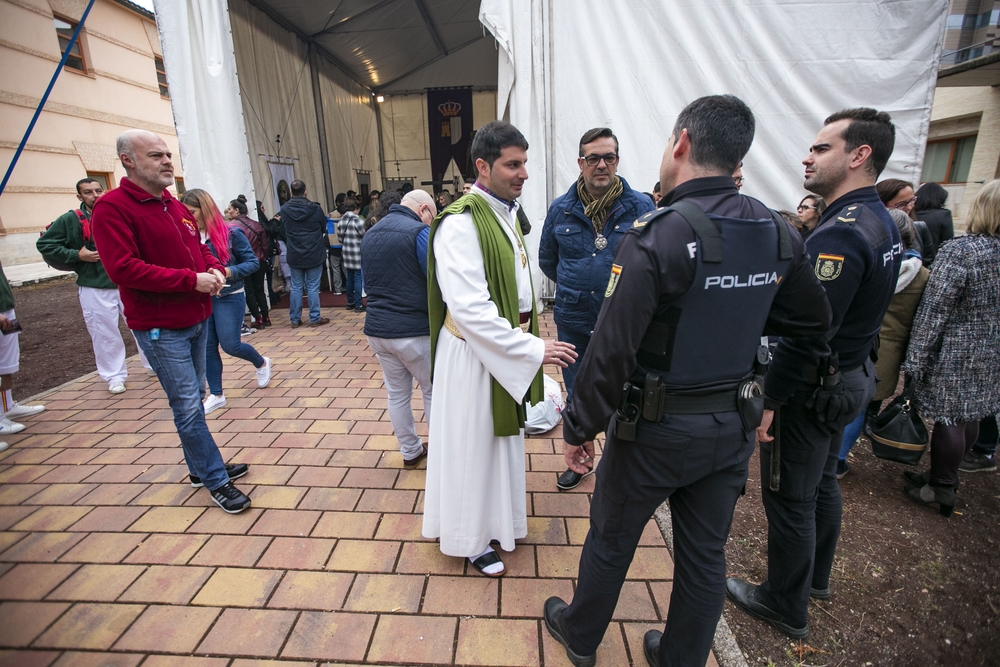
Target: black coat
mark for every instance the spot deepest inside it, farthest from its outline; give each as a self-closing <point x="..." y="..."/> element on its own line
<point x="941" y="229"/>
<point x="305" y="233"/>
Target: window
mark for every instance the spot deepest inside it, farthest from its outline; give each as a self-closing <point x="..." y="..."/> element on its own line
<point x="106" y="180"/>
<point x="161" y="77"/>
<point x="64" y="30"/>
<point x="948" y="161"/>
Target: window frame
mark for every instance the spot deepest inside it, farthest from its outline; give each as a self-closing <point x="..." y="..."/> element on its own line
<point x="951" y="155"/>
<point x="161" y="69"/>
<point x="108" y="177"/>
<point x="81" y="51"/>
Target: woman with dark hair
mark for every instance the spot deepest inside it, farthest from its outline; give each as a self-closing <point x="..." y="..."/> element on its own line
<point x="896" y="193"/>
<point x="954" y="352"/>
<point x="231" y="247"/>
<point x="809" y="210"/>
<point x="380" y="207"/>
<point x="930" y="208"/>
<point x="254" y="231"/>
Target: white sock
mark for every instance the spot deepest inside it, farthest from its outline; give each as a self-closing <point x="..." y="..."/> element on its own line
<point x="489" y="569"/>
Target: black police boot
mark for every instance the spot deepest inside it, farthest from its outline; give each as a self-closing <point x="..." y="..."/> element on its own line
<point x="651" y="647"/>
<point x="744" y="596"/>
<point x="553" y="611"/>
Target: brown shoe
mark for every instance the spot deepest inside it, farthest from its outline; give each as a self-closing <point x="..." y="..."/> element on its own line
<point x="410" y="463"/>
<point x="320" y="322"/>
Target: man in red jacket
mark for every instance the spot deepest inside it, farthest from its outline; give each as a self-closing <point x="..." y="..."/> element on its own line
<point x="152" y="250"/>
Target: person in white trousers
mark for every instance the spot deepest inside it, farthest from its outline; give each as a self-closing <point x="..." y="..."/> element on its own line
<point x="68" y="242"/>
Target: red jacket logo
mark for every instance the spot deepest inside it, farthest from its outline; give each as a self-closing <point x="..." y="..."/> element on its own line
<point x="193" y="228"/>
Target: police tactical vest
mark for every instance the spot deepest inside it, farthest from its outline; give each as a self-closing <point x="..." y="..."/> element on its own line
<point x="396" y="286"/>
<point x="708" y="338"/>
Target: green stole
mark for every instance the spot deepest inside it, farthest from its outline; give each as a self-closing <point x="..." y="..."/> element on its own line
<point x="501" y="280"/>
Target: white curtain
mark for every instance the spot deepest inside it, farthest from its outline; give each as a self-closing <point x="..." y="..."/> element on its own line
<point x="205" y="96"/>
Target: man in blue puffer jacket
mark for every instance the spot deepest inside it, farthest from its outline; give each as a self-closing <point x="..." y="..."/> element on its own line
<point x="579" y="238"/>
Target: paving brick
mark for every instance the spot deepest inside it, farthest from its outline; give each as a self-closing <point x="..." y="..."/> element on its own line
<point x="14" y="658"/>
<point x="651" y="563"/>
<point x="167" y="584"/>
<point x="363" y="556"/>
<point x="332" y="441"/>
<point x="661" y="596"/>
<point x="238" y="587"/>
<point x="297" y="553"/>
<point x="387" y="500"/>
<point x="231" y="550"/>
<point x="330" y="499"/>
<point x="115" y="473"/>
<point x="525" y="597"/>
<point x="330" y="636"/>
<point x="461" y="596"/>
<point x="385" y="592"/>
<point x="103" y="548"/>
<point x="324" y="591"/>
<point x="400" y="527"/>
<point x="634" y="603"/>
<point x="118" y="456"/>
<point x="355" y="458"/>
<point x="519" y="563"/>
<point x="51" y="519"/>
<point x="221" y="523"/>
<point x="370" y="478"/>
<point x="346" y="524"/>
<point x="412" y="479"/>
<point x="166" y="520"/>
<point x="107" y="519"/>
<point x="412" y="640"/>
<point x="164" y="474"/>
<point x="32" y="581"/>
<point x="382" y="442"/>
<point x="329" y="426"/>
<point x="90" y="659"/>
<point x="112" y="494"/>
<point x="8" y="539"/>
<point x="13" y="494"/>
<point x="651" y="536"/>
<point x="298" y="440"/>
<point x="259" y="455"/>
<point x="306" y="457"/>
<point x="497" y="641"/>
<point x="314" y="476"/>
<point x="89" y="626"/>
<point x="41" y="547"/>
<point x="255" y="632"/>
<point x="277" y="497"/>
<point x="285" y="522"/>
<point x="97" y="583"/>
<point x="22" y="474"/>
<point x="426" y="558"/>
<point x="577" y="530"/>
<point x="561" y="504"/>
<point x="546" y="530"/>
<point x="33" y="618"/>
<point x="74" y="456"/>
<point x="164" y="495"/>
<point x="558" y="562"/>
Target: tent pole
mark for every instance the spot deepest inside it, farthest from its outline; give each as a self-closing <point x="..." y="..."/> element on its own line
<point x="381" y="146"/>
<point x="324" y="153"/>
<point x="45" y="97"/>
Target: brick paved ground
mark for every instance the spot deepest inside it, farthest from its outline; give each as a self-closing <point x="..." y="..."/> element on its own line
<point x="109" y="557"/>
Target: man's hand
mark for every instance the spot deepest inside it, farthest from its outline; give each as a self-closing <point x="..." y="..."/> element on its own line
<point x="579" y="459"/>
<point x="765" y="424"/>
<point x="5" y="324"/>
<point x="210" y="283"/>
<point x="558" y="353"/>
<point x="88" y="255"/>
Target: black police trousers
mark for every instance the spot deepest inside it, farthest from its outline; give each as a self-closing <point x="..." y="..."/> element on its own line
<point x="804" y="515"/>
<point x="700" y="463"/>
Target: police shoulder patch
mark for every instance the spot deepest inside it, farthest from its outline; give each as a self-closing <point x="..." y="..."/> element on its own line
<point x="648" y="217"/>
<point x="616" y="271"/>
<point x="828" y="267"/>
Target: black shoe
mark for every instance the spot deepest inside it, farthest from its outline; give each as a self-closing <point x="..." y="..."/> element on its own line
<point x="361" y="309"/>
<point x="230" y="499"/>
<point x="919" y="479"/>
<point x="350" y="306"/>
<point x="570" y="480"/>
<point x="410" y="463"/>
<point x="234" y="470"/>
<point x="943" y="496"/>
<point x="552" y="612"/>
<point x="651" y="647"/>
<point x="843" y="467"/>
<point x="820" y="593"/>
<point x="744" y="596"/>
<point x="976" y="462"/>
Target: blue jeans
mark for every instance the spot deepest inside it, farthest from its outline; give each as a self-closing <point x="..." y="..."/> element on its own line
<point x="224" y="326"/>
<point x="581" y="341"/>
<point x="851" y="434"/>
<point x="354" y="286"/>
<point x="310" y="278"/>
<point x="178" y="357"/>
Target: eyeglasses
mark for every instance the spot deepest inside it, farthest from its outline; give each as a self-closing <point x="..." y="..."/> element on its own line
<point x="611" y="159"/>
<point x="806" y="207"/>
<point x="905" y="204"/>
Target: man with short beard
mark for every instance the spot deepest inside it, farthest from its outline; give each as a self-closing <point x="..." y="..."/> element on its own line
<point x="167" y="276"/>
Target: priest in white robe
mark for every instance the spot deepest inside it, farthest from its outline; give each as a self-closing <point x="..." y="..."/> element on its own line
<point x="487" y="359"/>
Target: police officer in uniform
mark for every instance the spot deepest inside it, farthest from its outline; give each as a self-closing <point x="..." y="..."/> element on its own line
<point x="692" y="289"/>
<point x="857" y="252"/>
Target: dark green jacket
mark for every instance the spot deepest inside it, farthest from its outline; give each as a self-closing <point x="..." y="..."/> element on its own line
<point x="63" y="240"/>
<point x="6" y="294"/>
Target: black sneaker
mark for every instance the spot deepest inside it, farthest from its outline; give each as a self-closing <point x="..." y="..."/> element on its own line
<point x="230" y="499"/>
<point x="842" y="469"/>
<point x="234" y="470"/>
<point x="976" y="462"/>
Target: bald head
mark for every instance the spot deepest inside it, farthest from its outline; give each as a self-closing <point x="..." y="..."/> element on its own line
<point x="146" y="159"/>
<point x="420" y="203"/>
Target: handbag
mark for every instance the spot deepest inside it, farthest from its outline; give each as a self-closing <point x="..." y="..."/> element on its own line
<point x="898" y="433"/>
<point x="277" y="282"/>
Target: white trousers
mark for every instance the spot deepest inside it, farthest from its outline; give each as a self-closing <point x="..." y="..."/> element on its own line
<point x="403" y="359"/>
<point x="101" y="309"/>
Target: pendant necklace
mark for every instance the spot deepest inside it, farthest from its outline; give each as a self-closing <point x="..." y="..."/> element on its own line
<point x="600" y="242"/>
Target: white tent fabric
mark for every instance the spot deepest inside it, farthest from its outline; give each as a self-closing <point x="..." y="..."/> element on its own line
<point x="205" y="96"/>
<point x="632" y="65"/>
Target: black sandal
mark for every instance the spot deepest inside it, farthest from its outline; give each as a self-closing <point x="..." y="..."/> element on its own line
<point x="484" y="561"/>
